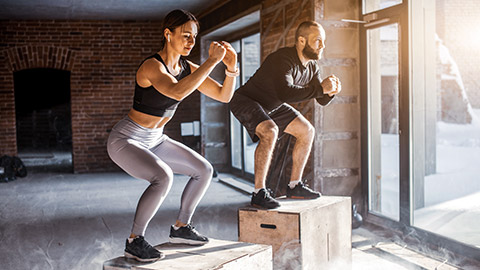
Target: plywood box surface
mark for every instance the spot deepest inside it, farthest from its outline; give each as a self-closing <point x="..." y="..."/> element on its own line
<point x="217" y="254"/>
<point x="304" y="234"/>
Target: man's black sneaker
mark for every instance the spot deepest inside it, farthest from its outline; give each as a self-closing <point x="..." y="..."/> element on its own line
<point x="263" y="200"/>
<point x="300" y="191"/>
<point x="187" y="235"/>
<point x="141" y="250"/>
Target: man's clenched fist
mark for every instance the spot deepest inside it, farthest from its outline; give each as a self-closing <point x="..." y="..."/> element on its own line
<point x="331" y="85"/>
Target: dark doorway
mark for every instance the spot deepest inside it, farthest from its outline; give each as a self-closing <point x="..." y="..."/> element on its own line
<point x="43" y="118"/>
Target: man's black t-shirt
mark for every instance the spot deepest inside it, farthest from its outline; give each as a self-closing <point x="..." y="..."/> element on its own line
<point x="283" y="78"/>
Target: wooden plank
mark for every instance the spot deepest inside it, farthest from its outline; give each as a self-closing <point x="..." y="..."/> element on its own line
<point x="268" y="227"/>
<point x="217" y="254"/>
<point x="327" y="233"/>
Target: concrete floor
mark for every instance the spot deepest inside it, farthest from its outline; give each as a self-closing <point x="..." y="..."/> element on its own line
<point x="71" y="221"/>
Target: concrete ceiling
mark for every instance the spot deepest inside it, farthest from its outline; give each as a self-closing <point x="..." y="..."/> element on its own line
<point x="97" y="9"/>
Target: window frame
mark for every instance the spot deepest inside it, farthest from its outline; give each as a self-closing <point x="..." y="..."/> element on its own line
<point x="405" y="14"/>
<point x="240" y="172"/>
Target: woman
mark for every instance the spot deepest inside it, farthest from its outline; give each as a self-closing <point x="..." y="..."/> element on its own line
<point x="137" y="143"/>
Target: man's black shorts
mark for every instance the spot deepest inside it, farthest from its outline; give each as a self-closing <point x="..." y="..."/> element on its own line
<point x="250" y="113"/>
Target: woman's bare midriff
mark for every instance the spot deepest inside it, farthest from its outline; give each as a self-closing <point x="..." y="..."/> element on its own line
<point x="146" y="120"/>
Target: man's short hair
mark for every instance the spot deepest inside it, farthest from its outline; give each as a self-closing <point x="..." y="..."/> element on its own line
<point x="304" y="28"/>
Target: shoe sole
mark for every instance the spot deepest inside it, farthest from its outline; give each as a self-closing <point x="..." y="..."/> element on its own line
<point x="303" y="197"/>
<point x="263" y="207"/>
<point x="178" y="240"/>
<point x="131" y="256"/>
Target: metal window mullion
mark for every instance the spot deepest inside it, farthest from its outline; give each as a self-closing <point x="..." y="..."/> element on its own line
<point x="405" y="119"/>
<point x="242" y="82"/>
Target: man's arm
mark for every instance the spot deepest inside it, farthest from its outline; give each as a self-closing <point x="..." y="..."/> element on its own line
<point x="331" y="86"/>
<point x="323" y="91"/>
<point x="289" y="92"/>
<point x="324" y="99"/>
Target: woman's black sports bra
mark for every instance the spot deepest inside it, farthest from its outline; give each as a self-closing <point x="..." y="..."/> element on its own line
<point x="150" y="101"/>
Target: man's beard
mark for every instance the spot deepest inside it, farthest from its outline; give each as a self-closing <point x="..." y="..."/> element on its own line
<point x="310" y="53"/>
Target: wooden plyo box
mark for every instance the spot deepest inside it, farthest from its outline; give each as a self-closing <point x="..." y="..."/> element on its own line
<point x="304" y="234"/>
<point x="217" y="254"/>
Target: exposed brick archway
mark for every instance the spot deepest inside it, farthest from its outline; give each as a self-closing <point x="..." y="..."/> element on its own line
<point x="27" y="57"/>
<point x="20" y="58"/>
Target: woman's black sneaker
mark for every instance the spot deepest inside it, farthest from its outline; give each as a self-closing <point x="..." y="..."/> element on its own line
<point x="263" y="200"/>
<point x="187" y="235"/>
<point x="141" y="250"/>
<point x="300" y="191"/>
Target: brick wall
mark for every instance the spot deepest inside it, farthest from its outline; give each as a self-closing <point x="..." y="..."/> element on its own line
<point x="458" y="25"/>
<point x="339" y="148"/>
<point x="8" y="143"/>
<point x="280" y="19"/>
<point x="102" y="57"/>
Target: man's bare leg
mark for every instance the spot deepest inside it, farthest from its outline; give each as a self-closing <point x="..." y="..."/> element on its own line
<point x="304" y="133"/>
<point x="267" y="131"/>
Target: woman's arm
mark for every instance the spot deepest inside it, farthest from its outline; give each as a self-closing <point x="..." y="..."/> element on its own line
<point x="158" y="76"/>
<point x="213" y="89"/>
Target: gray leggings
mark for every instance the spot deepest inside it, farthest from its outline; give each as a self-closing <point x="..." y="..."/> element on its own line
<point x="149" y="154"/>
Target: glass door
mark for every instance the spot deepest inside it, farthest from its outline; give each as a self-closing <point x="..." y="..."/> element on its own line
<point x="383" y="112"/>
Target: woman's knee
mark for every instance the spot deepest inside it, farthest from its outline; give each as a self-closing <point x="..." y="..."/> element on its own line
<point x="162" y="176"/>
<point x="205" y="170"/>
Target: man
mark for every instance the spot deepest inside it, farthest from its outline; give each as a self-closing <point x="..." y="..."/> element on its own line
<point x="290" y="74"/>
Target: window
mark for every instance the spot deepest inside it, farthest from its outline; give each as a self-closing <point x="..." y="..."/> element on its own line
<point x="242" y="147"/>
<point x="374" y="5"/>
<point x="446" y="126"/>
<point x="420" y="129"/>
<point x="382" y="44"/>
